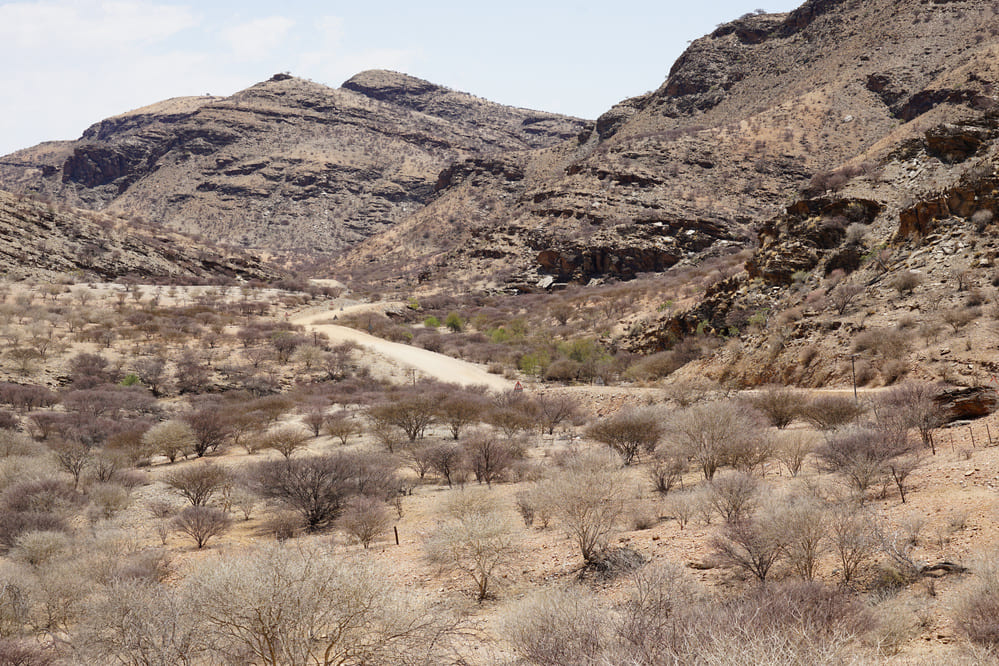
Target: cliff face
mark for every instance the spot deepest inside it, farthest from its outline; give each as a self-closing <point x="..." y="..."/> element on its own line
<point x="746" y="118"/>
<point x="284" y="165"/>
<point x="42" y="241"/>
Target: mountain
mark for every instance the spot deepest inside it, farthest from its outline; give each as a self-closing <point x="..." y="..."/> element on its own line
<point x="43" y="241"/>
<point x="287" y="164"/>
<point x="751" y="116"/>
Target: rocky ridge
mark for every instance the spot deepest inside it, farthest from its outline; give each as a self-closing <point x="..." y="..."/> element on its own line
<point x="287" y="164"/>
<point x="42" y="241"/>
<point x="747" y="116"/>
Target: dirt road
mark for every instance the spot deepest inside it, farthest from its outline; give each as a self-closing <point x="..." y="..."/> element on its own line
<point x="431" y="364"/>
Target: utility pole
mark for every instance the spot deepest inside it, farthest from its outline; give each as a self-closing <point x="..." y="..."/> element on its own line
<point x="853" y="370"/>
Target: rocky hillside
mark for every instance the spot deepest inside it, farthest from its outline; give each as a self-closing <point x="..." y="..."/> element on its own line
<point x="750" y="116"/>
<point x="287" y="164"/>
<point x="42" y="241"/>
<point x="885" y="278"/>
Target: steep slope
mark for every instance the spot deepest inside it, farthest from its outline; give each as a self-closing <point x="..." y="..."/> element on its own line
<point x="886" y="267"/>
<point x="748" y="115"/>
<point x="286" y="164"/>
<point x="42" y="241"/>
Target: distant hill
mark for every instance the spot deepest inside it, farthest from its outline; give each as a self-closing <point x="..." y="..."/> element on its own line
<point x="287" y="164"/>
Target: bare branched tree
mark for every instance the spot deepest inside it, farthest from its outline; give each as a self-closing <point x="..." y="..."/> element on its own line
<point x="201" y="523"/>
<point x="198" y="483"/>
<point x="586" y="499"/>
<point x="712" y="432"/>
<point x="475" y="538"/>
<point x="629" y="433"/>
<point x="304" y="605"/>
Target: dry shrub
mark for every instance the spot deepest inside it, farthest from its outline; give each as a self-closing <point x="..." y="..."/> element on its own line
<point x="283" y="525"/>
<point x="906" y="281"/>
<point x="525" y="505"/>
<point x="897" y="627"/>
<point x="17" y="444"/>
<point x="888" y="343"/>
<point x="960" y="316"/>
<point x="655" y="366"/>
<point x="975" y="298"/>
<point x="780" y="404"/>
<point x="860" y="456"/>
<point x="24" y="653"/>
<point x="473" y="538"/>
<point x="47" y="495"/>
<point x="285" y="440"/>
<point x="490" y="458"/>
<point x="198" y="483"/>
<point x="461" y="409"/>
<point x="139" y="621"/>
<point x="892" y="371"/>
<point x="642" y="517"/>
<point x="851" y="538"/>
<point x="830" y="411"/>
<point x="666" y="620"/>
<point x="318" y="487"/>
<point x="750" y="545"/>
<point x="667" y="468"/>
<point x="447" y="460"/>
<point x="866" y="373"/>
<point x="558" y="627"/>
<point x="585" y="499"/>
<point x="341" y="425"/>
<point x="653" y="612"/>
<point x="242" y="500"/>
<point x="313" y="607"/>
<point x="109" y="499"/>
<point x="843" y="295"/>
<point x="150" y="565"/>
<point x="364" y="519"/>
<point x="629" y="433"/>
<point x="784" y="623"/>
<point x="807" y="355"/>
<point x="734" y="494"/>
<point x="690" y="391"/>
<point x="38" y="547"/>
<point x="800" y="523"/>
<point x="977" y="609"/>
<point x="792" y="447"/>
<point x="173" y="439"/>
<point x="682" y="506"/>
<point x="713" y="434"/>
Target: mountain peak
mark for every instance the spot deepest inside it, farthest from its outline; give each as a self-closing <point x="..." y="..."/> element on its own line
<point x="393" y="87"/>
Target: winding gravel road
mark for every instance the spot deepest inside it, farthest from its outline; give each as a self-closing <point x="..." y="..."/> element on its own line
<point x="430" y="363"/>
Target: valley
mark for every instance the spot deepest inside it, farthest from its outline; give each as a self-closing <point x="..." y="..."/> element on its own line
<point x="388" y="373"/>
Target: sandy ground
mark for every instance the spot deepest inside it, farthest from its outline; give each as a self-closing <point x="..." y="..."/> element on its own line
<point x="424" y="361"/>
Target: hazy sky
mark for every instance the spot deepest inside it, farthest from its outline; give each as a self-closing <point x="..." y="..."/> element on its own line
<point x="69" y="63"/>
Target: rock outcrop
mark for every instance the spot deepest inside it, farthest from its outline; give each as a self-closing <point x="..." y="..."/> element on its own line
<point x="799" y="239"/>
<point x="962" y="404"/>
